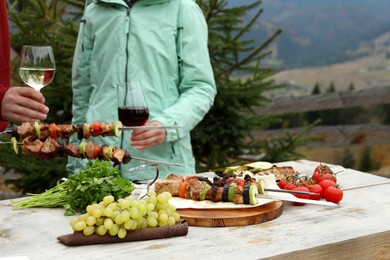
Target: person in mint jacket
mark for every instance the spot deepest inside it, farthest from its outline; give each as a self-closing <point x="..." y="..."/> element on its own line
<point x="161" y="45"/>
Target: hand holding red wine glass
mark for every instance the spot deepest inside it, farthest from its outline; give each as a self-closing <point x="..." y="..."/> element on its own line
<point x="134" y="112"/>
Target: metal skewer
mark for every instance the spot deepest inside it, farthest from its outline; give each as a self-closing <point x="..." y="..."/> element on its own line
<point x="125" y="128"/>
<point x="6" y="132"/>
<point x="291" y="191"/>
<point x="155" y="161"/>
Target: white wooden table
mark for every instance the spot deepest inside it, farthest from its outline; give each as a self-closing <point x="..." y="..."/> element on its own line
<point x="359" y="228"/>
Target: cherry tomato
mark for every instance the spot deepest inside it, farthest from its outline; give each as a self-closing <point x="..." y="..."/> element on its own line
<point x="317" y="189"/>
<point x="240" y="182"/>
<point x="333" y="194"/>
<point x="95" y="127"/>
<point x="327" y="183"/>
<point x="96" y="151"/>
<point x="290" y="186"/>
<point x="327" y="176"/>
<point x="282" y="183"/>
<point x="302" y="196"/>
<point x="319" y="171"/>
<point x="53" y="130"/>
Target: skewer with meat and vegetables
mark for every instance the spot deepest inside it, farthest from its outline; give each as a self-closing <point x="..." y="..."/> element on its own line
<point x="64" y="131"/>
<point x="50" y="148"/>
<point x="227" y="189"/>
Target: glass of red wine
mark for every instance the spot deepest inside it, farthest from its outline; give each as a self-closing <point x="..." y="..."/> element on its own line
<point x="134" y="111"/>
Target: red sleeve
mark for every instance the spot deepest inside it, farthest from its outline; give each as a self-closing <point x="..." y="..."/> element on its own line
<point x="5" y="65"/>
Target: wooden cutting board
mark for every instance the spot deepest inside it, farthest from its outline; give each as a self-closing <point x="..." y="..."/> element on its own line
<point x="232" y="217"/>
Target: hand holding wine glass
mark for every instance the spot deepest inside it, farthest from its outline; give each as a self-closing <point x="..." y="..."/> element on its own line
<point x="37" y="66"/>
<point x="134" y="111"/>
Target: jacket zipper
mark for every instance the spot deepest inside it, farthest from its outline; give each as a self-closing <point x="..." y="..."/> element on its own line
<point x="130" y="4"/>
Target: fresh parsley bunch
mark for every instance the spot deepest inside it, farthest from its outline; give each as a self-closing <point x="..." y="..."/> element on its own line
<point x="99" y="179"/>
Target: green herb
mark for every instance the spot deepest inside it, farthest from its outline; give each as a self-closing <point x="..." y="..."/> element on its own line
<point x="99" y="179"/>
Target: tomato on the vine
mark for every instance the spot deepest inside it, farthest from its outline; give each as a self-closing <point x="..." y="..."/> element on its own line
<point x="333" y="194"/>
<point x="327" y="183"/>
<point x="301" y="196"/>
<point x="316" y="188"/>
<point x="282" y="183"/>
<point x="319" y="171"/>
<point x="290" y="186"/>
<point x="327" y="176"/>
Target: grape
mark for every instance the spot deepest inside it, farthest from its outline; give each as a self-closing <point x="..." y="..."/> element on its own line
<point x="112" y="206"/>
<point x="162" y="198"/>
<point x="152" y="200"/>
<point x="168" y="211"/>
<point x="122" y="232"/>
<point x="163" y="217"/>
<point x="108" y="199"/>
<point x="176" y="216"/>
<point x="163" y="224"/>
<point x="108" y="223"/>
<point x="149" y="206"/>
<point x="83" y="217"/>
<point x="134" y="213"/>
<point x="99" y="221"/>
<point x="101" y="230"/>
<point x="114" y="230"/>
<point x="151" y="221"/>
<point x="79" y="225"/>
<point x="91" y="220"/>
<point x="118" y="219"/>
<point x="128" y="224"/>
<point x="89" y="230"/>
<point x="90" y="209"/>
<point x="152" y="193"/>
<point x="125" y="215"/>
<point x="167" y="195"/>
<point x="108" y="212"/>
<point x="73" y="221"/>
<point x="124" y="203"/>
<point x="160" y="206"/>
<point x="171" y="221"/>
<point x="115" y="214"/>
<point x="97" y="213"/>
<point x="153" y="214"/>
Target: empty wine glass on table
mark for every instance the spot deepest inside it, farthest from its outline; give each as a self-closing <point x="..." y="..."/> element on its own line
<point x="37" y="66"/>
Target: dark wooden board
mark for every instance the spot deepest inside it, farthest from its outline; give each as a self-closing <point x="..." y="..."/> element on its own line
<point x="232" y="217"/>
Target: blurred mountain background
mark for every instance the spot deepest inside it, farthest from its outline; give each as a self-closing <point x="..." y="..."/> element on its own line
<point x="330" y="46"/>
<point x="339" y="42"/>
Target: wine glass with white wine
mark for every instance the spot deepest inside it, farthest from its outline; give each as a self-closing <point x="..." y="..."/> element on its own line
<point x="37" y="66"/>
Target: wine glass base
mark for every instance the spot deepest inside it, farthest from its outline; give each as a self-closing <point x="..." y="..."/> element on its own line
<point x="142" y="166"/>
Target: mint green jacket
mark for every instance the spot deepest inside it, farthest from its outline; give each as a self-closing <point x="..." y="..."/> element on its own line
<point x="143" y="43"/>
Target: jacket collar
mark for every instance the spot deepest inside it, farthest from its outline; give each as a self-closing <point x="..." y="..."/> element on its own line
<point x="143" y="2"/>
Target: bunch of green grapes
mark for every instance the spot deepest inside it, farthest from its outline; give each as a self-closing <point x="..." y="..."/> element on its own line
<point x="118" y="217"/>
